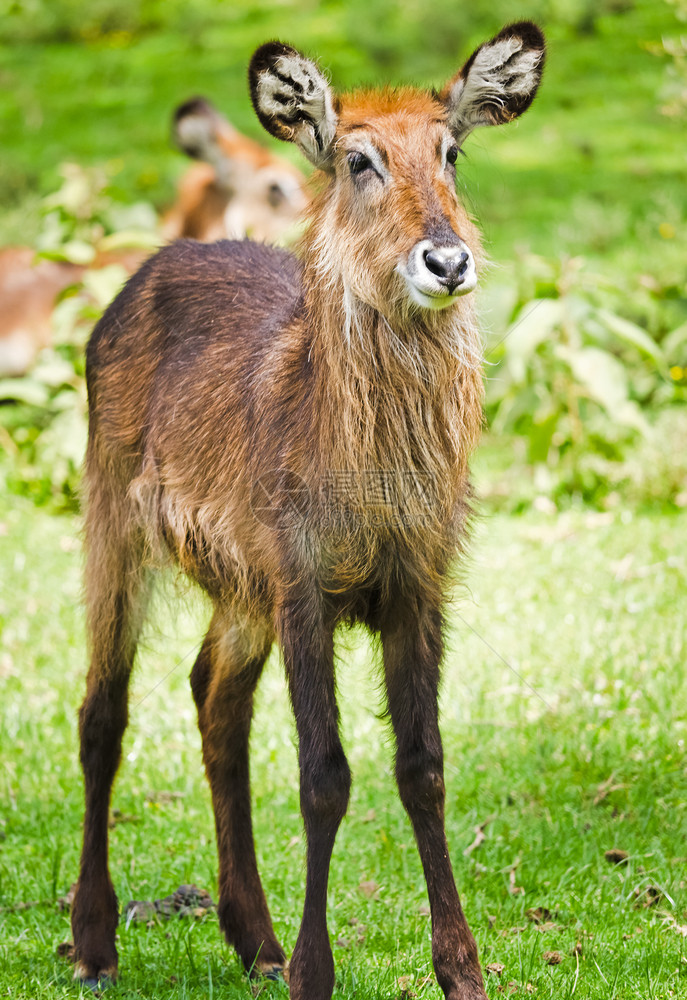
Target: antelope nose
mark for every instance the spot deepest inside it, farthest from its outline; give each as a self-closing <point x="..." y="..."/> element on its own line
<point x="447" y="266"/>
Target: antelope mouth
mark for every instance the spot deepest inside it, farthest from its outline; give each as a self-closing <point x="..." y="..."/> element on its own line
<point x="436" y="277"/>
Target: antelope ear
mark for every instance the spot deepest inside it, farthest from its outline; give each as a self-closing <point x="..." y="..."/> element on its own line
<point x="293" y="100"/>
<point x="196" y="125"/>
<point x="197" y="129"/>
<point x="499" y="80"/>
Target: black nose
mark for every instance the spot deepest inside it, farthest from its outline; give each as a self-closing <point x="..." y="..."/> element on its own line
<point x="449" y="270"/>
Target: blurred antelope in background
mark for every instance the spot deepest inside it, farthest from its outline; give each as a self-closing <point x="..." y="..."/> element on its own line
<point x="294" y="432"/>
<point x="29" y="290"/>
<point x="242" y="189"/>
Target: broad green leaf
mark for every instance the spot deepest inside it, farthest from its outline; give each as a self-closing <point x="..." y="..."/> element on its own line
<point x="24" y="390"/>
<point x="496" y="309"/>
<point x="513" y="407"/>
<point x="130" y="221"/>
<point x="602" y="375"/>
<point x="76" y="191"/>
<point x="65" y="438"/>
<point x="52" y="370"/>
<point x="104" y="283"/>
<point x="675" y="345"/>
<point x="537" y="320"/>
<point x="73" y="252"/>
<point x="540" y="436"/>
<point x="66" y="318"/>
<point x="632" y="334"/>
<point x="606" y="382"/>
<point x="630" y="415"/>
<point x="131" y="239"/>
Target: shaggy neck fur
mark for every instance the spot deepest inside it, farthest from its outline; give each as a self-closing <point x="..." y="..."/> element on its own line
<point x="396" y="389"/>
<point x="398" y="395"/>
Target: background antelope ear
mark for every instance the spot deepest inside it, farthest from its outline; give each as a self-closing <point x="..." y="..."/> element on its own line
<point x="499" y="80"/>
<point x="198" y="129"/>
<point x="293" y="100"/>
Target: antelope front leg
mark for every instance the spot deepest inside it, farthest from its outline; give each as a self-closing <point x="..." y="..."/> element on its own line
<point x="325" y="787"/>
<point x="95" y="914"/>
<point x="116" y="597"/>
<point x="412" y="653"/>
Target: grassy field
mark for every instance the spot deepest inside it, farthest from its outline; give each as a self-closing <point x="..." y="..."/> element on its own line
<point x="564" y="720"/>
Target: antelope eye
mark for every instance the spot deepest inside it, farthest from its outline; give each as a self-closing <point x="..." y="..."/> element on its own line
<point x="275" y="195"/>
<point x="358" y="162"/>
<point x="452" y="154"/>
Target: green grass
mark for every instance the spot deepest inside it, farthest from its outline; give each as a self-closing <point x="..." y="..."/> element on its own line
<point x="564" y="719"/>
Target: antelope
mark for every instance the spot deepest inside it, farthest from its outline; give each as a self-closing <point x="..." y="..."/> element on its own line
<point x="293" y="431"/>
<point x="27" y="298"/>
<point x="29" y="289"/>
<point x="240" y="190"/>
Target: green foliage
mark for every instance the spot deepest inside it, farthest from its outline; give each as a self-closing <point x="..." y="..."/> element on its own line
<point x="598" y="353"/>
<point x="43" y="427"/>
<point x="114" y="21"/>
<point x="43" y="414"/>
<point x="118" y="21"/>
<point x="575" y="377"/>
<point x="107" y="97"/>
<point x="674" y="47"/>
<point x="87" y="215"/>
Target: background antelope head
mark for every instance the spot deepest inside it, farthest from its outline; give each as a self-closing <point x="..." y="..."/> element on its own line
<point x="241" y="189"/>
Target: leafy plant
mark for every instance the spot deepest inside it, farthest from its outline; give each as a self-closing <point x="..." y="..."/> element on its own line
<point x="43" y="422"/>
<point x="84" y="218"/>
<point x="573" y="376"/>
<point x="43" y="414"/>
<point x="675" y="48"/>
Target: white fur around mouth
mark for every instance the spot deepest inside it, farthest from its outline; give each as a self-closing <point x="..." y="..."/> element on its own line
<point x="422" y="284"/>
<point x="430" y="299"/>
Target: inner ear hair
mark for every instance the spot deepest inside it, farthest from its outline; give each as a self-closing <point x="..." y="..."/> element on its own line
<point x="498" y="82"/>
<point x="293" y="100"/>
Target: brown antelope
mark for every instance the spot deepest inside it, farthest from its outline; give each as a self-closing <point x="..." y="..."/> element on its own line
<point x="242" y="189"/>
<point x="29" y="288"/>
<point x="294" y="432"/>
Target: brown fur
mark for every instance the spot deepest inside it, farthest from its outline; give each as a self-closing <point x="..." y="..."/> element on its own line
<point x="294" y="432"/>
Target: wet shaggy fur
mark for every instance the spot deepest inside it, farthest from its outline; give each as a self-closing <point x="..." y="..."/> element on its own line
<point x="294" y="432"/>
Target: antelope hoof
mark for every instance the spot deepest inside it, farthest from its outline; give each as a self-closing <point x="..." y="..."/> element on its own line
<point x="97" y="986"/>
<point x="462" y="995"/>
<point x="268" y="970"/>
<point x="467" y="991"/>
<point x="97" y="983"/>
